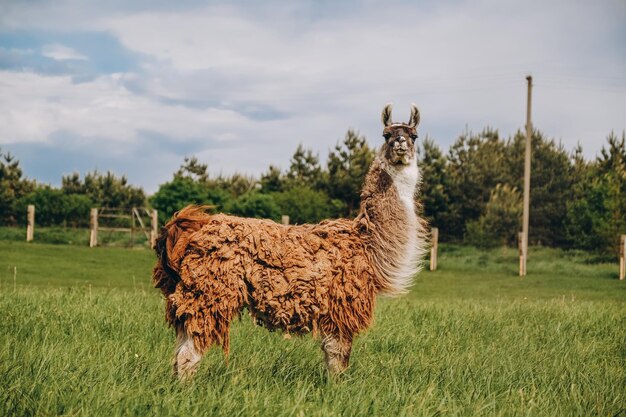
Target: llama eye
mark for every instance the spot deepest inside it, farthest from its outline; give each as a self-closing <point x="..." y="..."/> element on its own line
<point x="386" y="136"/>
<point x="413" y="137"/>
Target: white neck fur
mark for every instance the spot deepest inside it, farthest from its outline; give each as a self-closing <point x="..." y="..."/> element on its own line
<point x="406" y="179"/>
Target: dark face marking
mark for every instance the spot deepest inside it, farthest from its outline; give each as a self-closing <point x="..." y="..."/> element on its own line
<point x="399" y="147"/>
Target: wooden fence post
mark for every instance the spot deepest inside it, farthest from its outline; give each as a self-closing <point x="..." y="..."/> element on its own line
<point x="285" y="219"/>
<point x="522" y="255"/>
<point x="155" y="227"/>
<point x="30" y="228"/>
<point x="93" y="237"/>
<point x="434" y="236"/>
<point x="622" y="258"/>
<point x="132" y="227"/>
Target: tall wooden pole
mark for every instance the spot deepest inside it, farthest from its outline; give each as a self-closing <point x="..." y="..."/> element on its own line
<point x="529" y="131"/>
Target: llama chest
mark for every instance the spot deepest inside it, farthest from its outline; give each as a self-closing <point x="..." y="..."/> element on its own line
<point x="407" y="265"/>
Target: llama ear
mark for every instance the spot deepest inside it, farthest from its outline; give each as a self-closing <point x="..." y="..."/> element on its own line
<point x="386" y="116"/>
<point x="415" y="116"/>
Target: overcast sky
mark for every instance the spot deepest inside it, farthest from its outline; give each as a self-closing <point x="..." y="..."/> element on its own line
<point x="134" y="87"/>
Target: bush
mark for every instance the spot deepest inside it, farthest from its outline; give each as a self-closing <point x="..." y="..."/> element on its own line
<point x="182" y="191"/>
<point x="305" y="205"/>
<point x="255" y="204"/>
<point x="55" y="208"/>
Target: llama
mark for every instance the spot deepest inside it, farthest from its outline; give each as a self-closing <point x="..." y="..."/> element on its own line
<point x="320" y="278"/>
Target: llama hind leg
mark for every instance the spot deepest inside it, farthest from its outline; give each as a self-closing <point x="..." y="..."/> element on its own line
<point x="187" y="356"/>
<point x="336" y="352"/>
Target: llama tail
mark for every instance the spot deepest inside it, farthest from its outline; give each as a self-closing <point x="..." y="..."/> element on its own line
<point x="171" y="244"/>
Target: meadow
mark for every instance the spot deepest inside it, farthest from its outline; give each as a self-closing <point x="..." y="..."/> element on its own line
<point x="83" y="334"/>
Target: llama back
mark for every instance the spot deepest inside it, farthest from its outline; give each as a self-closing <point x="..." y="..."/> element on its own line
<point x="295" y="278"/>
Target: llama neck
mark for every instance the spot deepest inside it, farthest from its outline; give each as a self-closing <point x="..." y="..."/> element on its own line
<point x="393" y="231"/>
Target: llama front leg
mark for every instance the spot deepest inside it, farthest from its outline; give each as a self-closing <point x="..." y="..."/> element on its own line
<point x="336" y="352"/>
<point x="187" y="356"/>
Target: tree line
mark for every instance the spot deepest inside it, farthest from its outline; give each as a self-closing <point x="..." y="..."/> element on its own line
<point x="471" y="192"/>
<point x="66" y="206"/>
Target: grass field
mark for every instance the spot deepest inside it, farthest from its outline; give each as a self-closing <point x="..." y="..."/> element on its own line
<point x="83" y="334"/>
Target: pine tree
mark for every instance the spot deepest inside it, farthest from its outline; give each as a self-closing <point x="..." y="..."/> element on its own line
<point x="611" y="173"/>
<point x="193" y="169"/>
<point x="347" y="166"/>
<point x="104" y="190"/>
<point x="304" y="169"/>
<point x="272" y="180"/>
<point x="499" y="224"/>
<point x="579" y="217"/>
<point x="550" y="185"/>
<point x="434" y="189"/>
<point x="476" y="164"/>
<point x="12" y="187"/>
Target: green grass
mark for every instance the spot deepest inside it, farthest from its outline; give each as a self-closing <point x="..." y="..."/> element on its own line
<point x="72" y="236"/>
<point x="83" y="334"/>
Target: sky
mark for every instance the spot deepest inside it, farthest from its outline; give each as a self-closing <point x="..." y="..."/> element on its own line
<point x="134" y="87"/>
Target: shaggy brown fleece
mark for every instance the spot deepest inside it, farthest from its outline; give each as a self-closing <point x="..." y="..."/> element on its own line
<point x="321" y="278"/>
<point x="296" y="278"/>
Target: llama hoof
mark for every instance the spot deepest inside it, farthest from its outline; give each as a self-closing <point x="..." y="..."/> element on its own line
<point x="185" y="375"/>
<point x="336" y="368"/>
<point x="336" y="354"/>
<point x="187" y="358"/>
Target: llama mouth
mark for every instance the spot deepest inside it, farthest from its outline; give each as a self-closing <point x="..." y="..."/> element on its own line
<point x="401" y="159"/>
<point x="401" y="155"/>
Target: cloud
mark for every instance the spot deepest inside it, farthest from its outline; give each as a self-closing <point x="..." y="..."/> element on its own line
<point x="465" y="63"/>
<point x="61" y="52"/>
<point x="103" y="54"/>
<point x="36" y="106"/>
<point x="240" y="84"/>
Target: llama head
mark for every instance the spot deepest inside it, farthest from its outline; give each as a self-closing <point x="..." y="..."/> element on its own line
<point x="400" y="138"/>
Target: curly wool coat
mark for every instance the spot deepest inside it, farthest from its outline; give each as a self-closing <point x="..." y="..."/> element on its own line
<point x="295" y="278"/>
<point x="321" y="278"/>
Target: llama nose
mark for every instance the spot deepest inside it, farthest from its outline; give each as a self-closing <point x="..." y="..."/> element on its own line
<point x="401" y="139"/>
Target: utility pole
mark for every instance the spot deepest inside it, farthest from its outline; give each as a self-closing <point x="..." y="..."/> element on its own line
<point x="529" y="131"/>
